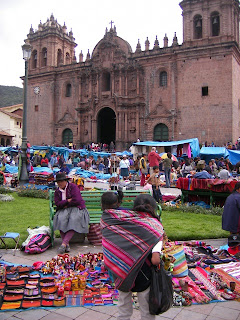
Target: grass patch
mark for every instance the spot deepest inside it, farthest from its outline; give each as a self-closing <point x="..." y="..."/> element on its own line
<point x="191" y="226"/>
<point x="179" y="223"/>
<point x="18" y="215"/>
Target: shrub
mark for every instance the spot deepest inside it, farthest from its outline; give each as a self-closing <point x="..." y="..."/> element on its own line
<point x="33" y="193"/>
<point x="4" y="190"/>
<point x="194" y="209"/>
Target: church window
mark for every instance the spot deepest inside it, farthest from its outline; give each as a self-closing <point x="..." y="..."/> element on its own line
<point x="215" y="24"/>
<point x="44" y="57"/>
<point x="163" y="79"/>
<point x="34" y="59"/>
<point x="204" y="91"/>
<point x="59" y="57"/>
<point x="67" y="58"/>
<point x="160" y="132"/>
<point x="67" y="136"/>
<point x="68" y="90"/>
<point x="106" y="80"/>
<point x="197" y="27"/>
<point x="36" y="108"/>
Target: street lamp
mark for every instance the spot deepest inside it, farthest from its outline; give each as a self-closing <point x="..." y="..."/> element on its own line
<point x="26" y="48"/>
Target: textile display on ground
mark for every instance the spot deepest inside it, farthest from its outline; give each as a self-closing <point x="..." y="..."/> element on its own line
<point x="216" y="185"/>
<point x="82" y="280"/>
<point x="41" y="178"/>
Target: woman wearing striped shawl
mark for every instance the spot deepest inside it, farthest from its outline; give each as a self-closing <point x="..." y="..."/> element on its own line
<point x="132" y="241"/>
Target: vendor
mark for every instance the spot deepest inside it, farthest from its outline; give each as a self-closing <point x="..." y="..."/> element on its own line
<point x="231" y="212"/>
<point x="72" y="215"/>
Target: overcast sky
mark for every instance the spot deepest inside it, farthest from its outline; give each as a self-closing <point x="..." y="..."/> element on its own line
<point x="134" y="19"/>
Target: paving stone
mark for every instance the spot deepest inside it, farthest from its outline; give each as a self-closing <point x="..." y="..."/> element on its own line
<point x="55" y="316"/>
<point x="185" y="314"/>
<point x="225" y="313"/>
<point x="91" y="314"/>
<point x="232" y="305"/>
<point x="214" y="318"/>
<point x="170" y="314"/>
<point x="204" y="309"/>
<point x="110" y="310"/>
<point x="32" y="314"/>
<point x="7" y="315"/>
<point x="71" y="312"/>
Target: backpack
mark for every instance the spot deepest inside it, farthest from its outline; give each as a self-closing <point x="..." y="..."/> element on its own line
<point x="38" y="244"/>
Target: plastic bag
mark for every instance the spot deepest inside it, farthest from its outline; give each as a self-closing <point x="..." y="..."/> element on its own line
<point x="161" y="290"/>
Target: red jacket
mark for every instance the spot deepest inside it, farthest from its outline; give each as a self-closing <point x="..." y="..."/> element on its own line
<point x="154" y="159"/>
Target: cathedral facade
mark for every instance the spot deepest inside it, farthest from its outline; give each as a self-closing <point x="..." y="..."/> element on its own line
<point x="169" y="92"/>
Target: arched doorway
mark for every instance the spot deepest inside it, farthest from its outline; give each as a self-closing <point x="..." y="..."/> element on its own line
<point x="67" y="136"/>
<point x="106" y="126"/>
<point x="160" y="132"/>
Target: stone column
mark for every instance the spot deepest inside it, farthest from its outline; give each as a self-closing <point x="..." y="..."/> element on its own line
<point x="94" y="130"/>
<point x="125" y="127"/>
<point x="137" y="82"/>
<point x="137" y="123"/>
<point x="120" y="82"/>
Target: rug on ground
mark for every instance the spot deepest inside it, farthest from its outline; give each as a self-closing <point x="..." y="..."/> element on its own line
<point x="82" y="280"/>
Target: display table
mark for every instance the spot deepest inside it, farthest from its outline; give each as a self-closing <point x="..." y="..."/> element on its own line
<point x="211" y="191"/>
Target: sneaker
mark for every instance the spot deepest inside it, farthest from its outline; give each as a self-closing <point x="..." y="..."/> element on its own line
<point x="67" y="248"/>
<point x="62" y="249"/>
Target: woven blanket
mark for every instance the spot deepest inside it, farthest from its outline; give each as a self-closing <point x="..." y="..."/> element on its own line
<point x="128" y="238"/>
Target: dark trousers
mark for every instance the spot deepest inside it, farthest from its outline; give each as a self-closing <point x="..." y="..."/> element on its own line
<point x="157" y="194"/>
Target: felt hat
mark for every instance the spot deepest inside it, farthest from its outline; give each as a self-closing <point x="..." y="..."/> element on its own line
<point x="61" y="176"/>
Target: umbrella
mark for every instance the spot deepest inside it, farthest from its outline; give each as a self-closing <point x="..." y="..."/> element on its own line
<point x="163" y="155"/>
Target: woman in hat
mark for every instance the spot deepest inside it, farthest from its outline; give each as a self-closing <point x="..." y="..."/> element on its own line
<point x="72" y="215"/>
<point x="124" y="166"/>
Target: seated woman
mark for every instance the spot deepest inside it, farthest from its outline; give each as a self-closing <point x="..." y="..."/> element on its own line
<point x="72" y="215"/>
<point x="132" y="241"/>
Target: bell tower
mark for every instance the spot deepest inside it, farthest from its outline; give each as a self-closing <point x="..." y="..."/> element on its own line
<point x="210" y="21"/>
<point x="52" y="46"/>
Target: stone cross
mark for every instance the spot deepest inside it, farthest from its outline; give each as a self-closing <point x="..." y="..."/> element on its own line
<point x="111" y="22"/>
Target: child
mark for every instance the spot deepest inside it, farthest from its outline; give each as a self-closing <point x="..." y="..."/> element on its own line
<point x="113" y="181"/>
<point x="154" y="180"/>
<point x="111" y="200"/>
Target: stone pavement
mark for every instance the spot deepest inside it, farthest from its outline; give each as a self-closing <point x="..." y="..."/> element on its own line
<point x="229" y="310"/>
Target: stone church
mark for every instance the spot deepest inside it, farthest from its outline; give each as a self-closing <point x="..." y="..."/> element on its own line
<point x="161" y="92"/>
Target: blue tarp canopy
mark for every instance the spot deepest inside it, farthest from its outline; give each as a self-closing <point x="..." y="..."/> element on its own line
<point x="194" y="144"/>
<point x="65" y="151"/>
<point x="234" y="156"/>
<point x="208" y="153"/>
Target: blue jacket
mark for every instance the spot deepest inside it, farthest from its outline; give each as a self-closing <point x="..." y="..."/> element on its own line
<point x="231" y="213"/>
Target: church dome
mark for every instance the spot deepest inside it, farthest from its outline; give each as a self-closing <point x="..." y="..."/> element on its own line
<point x="111" y="39"/>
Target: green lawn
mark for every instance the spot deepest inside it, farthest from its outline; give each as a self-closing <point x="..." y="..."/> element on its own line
<point x="189" y="226"/>
<point x="18" y="215"/>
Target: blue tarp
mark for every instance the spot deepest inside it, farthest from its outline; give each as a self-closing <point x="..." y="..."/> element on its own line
<point x="194" y="144"/>
<point x="89" y="174"/>
<point x="11" y="169"/>
<point x="208" y="153"/>
<point x="234" y="156"/>
<point x="65" y="151"/>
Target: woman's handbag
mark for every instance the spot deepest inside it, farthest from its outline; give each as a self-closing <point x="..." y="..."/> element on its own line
<point x="161" y="290"/>
<point x="180" y="268"/>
